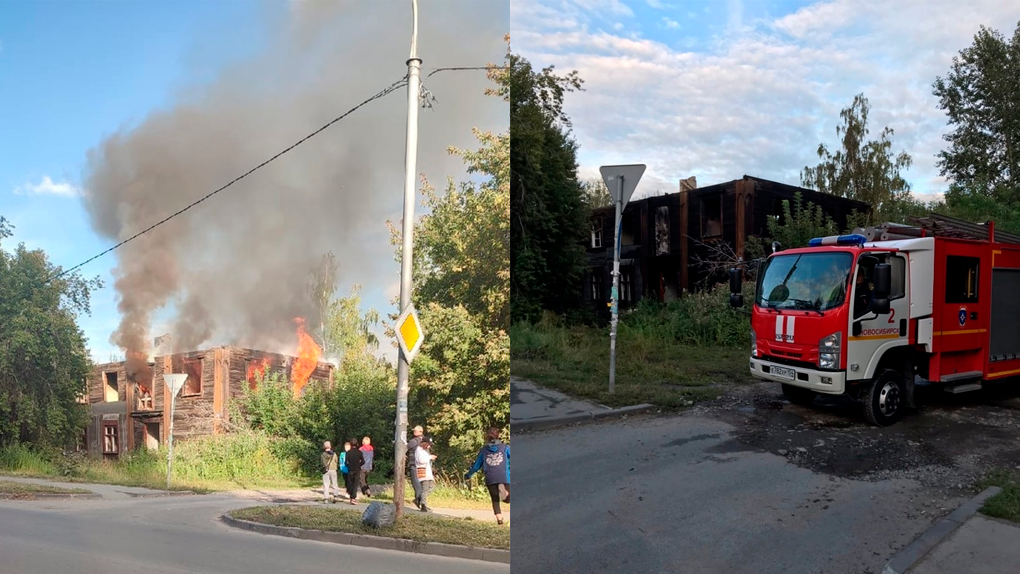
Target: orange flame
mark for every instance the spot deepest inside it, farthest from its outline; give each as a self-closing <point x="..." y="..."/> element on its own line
<point x="307" y="358"/>
<point x="257" y="371"/>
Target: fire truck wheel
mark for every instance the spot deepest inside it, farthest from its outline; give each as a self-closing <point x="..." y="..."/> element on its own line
<point x="884" y="399"/>
<point x="798" y="395"/>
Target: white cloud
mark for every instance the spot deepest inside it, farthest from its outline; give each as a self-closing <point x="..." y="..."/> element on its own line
<point x="48" y="187"/>
<point x="759" y="102"/>
<point x="670" y="23"/>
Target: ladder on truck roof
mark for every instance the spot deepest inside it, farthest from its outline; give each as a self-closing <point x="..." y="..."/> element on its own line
<point x="935" y="225"/>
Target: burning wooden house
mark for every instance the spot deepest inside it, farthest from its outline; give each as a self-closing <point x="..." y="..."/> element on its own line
<point x="128" y="413"/>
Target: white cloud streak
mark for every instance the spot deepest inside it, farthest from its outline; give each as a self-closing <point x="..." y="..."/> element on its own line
<point x="759" y="99"/>
<point x="48" y="187"/>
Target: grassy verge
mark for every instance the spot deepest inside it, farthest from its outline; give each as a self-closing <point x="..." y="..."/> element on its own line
<point x="1006" y="504"/>
<point x="446" y="495"/>
<point x="198" y="467"/>
<point x="413" y="526"/>
<point x="649" y="368"/>
<point x="8" y="487"/>
<point x="671" y="355"/>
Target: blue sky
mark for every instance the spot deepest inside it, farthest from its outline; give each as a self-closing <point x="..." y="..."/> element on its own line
<point x="722" y="88"/>
<point x="74" y="73"/>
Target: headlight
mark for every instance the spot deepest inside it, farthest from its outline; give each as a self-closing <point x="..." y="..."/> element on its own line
<point x="754" y="344"/>
<point x="828" y="351"/>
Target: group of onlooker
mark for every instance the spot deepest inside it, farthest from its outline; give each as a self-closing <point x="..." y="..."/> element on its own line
<point x="354" y="465"/>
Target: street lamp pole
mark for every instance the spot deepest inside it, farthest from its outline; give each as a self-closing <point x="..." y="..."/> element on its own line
<point x="410" y="157"/>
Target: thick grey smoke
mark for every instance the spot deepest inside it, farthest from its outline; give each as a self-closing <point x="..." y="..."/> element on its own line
<point x="236" y="267"/>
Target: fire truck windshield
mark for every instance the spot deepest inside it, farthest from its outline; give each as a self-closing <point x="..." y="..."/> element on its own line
<point x="806" y="281"/>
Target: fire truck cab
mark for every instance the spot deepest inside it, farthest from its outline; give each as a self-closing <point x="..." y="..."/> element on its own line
<point x="862" y="314"/>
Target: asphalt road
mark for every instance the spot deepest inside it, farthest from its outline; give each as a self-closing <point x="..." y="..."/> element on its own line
<point x="180" y="535"/>
<point x="751" y="484"/>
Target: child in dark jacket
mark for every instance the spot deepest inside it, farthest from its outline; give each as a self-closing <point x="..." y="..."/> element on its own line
<point x="494" y="460"/>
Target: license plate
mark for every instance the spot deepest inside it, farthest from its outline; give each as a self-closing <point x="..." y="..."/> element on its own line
<point x="783" y="372"/>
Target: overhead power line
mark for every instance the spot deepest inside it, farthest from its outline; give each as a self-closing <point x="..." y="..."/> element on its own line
<point x="382" y="93"/>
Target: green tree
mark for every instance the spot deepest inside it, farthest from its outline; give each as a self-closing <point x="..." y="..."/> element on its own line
<point x="348" y="331"/>
<point x="548" y="213"/>
<point x="322" y="286"/>
<point x="43" y="359"/>
<point x="596" y="194"/>
<point x="981" y="96"/>
<point x="800" y="222"/>
<point x="863" y="170"/>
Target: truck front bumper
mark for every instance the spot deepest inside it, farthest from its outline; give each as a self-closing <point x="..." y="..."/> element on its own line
<point x="826" y="382"/>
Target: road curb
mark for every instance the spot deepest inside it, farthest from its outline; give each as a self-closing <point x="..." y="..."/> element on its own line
<point x="433" y="548"/>
<point x="575" y="418"/>
<point x="919" y="548"/>
<point x="33" y="495"/>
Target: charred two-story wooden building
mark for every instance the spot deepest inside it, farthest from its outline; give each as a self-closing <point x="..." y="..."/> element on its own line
<point x="662" y="236"/>
<point x="127" y="413"/>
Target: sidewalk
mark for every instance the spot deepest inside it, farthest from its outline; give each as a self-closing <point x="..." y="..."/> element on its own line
<point x="533" y="407"/>
<point x="981" y="546"/>
<point x="107" y="491"/>
<point x="964" y="541"/>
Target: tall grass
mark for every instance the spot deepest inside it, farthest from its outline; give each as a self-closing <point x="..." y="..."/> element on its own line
<point x="671" y="355"/>
<point x="22" y="459"/>
<point x="239" y="460"/>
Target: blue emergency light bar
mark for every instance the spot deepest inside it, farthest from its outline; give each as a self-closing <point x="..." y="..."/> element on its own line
<point x="838" y="240"/>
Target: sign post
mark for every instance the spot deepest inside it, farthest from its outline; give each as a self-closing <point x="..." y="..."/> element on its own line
<point x="621" y="180"/>
<point x="407" y="246"/>
<point x="174" y="383"/>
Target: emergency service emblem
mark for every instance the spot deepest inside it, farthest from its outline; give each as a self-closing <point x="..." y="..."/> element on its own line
<point x="963" y="315"/>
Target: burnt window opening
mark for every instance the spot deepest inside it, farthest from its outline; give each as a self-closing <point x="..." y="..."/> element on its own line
<point x="152" y="436"/>
<point x="962" y="279"/>
<point x="83" y="397"/>
<point x="257" y="370"/>
<point x="596" y="285"/>
<point x="111" y="441"/>
<point x="144" y="396"/>
<point x="626" y="285"/>
<point x="111" y="395"/>
<point x="193" y="384"/>
<point x="662" y="230"/>
<point x="711" y="216"/>
<point x="596" y="233"/>
<point x="777" y="212"/>
<point x="629" y="229"/>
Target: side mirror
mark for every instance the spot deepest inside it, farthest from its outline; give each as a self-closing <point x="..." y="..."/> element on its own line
<point x="735" y="280"/>
<point x="879" y="305"/>
<point x="736" y="300"/>
<point x="883" y="283"/>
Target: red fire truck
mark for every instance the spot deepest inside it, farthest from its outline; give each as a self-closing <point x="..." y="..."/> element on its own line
<point x="861" y="314"/>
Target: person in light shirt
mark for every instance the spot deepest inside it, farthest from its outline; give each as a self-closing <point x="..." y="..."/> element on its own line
<point x="423" y="458"/>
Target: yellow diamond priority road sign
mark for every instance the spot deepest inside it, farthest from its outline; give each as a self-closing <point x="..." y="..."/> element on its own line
<point x="409" y="333"/>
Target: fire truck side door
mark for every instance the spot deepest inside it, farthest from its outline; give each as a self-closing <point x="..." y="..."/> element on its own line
<point x="878" y="333"/>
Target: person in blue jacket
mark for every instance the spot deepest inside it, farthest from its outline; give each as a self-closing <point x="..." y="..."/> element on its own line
<point x="494" y="461"/>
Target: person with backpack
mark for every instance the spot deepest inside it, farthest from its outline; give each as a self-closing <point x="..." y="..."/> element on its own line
<point x="329" y="466"/>
<point x="412" y="449"/>
<point x="423" y="458"/>
<point x="368" y="453"/>
<point x="354" y="460"/>
<point x="343" y="466"/>
<point x="494" y="461"/>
